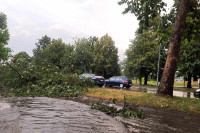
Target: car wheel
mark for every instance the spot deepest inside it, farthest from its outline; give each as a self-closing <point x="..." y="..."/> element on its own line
<point x="104" y="85"/>
<point x="121" y="85"/>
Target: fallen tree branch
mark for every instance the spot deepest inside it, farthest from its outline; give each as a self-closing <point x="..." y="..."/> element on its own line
<point x="21" y="76"/>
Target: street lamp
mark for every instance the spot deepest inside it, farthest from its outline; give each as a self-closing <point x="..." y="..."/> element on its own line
<point x="158" y="64"/>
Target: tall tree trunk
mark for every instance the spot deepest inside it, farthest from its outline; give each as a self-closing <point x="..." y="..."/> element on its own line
<point x="145" y="79"/>
<point x="140" y="81"/>
<point x="189" y="84"/>
<point x="184" y="82"/>
<point x="136" y="80"/>
<point x="195" y="77"/>
<point x="167" y="81"/>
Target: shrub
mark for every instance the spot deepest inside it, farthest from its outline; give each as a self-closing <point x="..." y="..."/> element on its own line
<point x="42" y="80"/>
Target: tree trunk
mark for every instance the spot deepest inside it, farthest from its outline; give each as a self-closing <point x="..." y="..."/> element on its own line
<point x="136" y="80"/>
<point x="184" y="82"/>
<point x="167" y="81"/>
<point x="145" y="79"/>
<point x="189" y="84"/>
<point x="140" y="81"/>
<point x="195" y="77"/>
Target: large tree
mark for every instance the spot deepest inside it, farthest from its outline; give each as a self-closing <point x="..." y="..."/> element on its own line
<point x="84" y="55"/>
<point x="142" y="55"/>
<point x="54" y="52"/>
<point x="40" y="46"/>
<point x="189" y="62"/>
<point x="106" y="58"/>
<point x="144" y="10"/>
<point x="167" y="81"/>
<point x="4" y="37"/>
<point x="138" y="8"/>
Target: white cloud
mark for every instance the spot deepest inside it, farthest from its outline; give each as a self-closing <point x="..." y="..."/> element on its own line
<point x="29" y="20"/>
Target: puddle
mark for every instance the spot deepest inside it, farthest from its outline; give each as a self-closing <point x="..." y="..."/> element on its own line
<point x="49" y="115"/>
<point x="175" y="93"/>
<point x="157" y="121"/>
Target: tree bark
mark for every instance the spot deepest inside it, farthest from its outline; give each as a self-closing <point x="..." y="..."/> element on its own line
<point x="167" y="80"/>
<point x="145" y="79"/>
<point x="195" y="77"/>
<point x="184" y="82"/>
<point x="140" y="81"/>
<point x="189" y="84"/>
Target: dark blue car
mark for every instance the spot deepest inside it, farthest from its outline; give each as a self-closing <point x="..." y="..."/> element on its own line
<point x="98" y="80"/>
<point x="120" y="81"/>
<point x="197" y="93"/>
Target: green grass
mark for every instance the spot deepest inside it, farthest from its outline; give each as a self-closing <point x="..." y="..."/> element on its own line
<point x="146" y="99"/>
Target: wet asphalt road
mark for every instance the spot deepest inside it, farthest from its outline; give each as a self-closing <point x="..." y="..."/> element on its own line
<point x="49" y="115"/>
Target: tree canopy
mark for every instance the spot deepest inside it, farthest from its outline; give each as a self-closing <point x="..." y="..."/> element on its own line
<point x="106" y="58"/>
<point x="4" y="37"/>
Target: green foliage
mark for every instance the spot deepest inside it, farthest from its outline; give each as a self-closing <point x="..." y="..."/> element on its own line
<point x="106" y="58"/>
<point x="54" y="52"/>
<point x="67" y="61"/>
<point x="4" y="37"/>
<point x="43" y="42"/>
<point x="142" y="55"/>
<point x="40" y="46"/>
<point x="192" y="21"/>
<point x="189" y="62"/>
<point x="126" y="111"/>
<point x="84" y="55"/>
<point x="144" y="10"/>
<point x="53" y="69"/>
<point x="41" y="80"/>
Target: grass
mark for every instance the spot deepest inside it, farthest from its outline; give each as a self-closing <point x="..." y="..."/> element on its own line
<point x="188" y="105"/>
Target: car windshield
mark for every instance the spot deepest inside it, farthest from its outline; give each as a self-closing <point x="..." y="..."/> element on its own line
<point x="112" y="78"/>
<point x="99" y="77"/>
<point x="88" y="75"/>
<point x="119" y="78"/>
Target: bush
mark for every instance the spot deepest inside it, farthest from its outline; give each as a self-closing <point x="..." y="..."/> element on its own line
<point x="42" y="80"/>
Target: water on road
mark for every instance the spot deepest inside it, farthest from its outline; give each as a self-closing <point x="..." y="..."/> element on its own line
<point x="152" y="90"/>
<point x="48" y="115"/>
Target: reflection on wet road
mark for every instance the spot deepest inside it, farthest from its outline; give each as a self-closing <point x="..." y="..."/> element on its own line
<point x="175" y="93"/>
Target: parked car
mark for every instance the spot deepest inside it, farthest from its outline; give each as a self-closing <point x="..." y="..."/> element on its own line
<point x="197" y="93"/>
<point x="98" y="80"/>
<point x="120" y="81"/>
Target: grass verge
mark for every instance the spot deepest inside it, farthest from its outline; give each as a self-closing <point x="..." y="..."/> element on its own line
<point x="188" y="105"/>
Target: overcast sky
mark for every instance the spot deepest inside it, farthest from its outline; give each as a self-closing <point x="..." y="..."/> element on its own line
<point x="29" y="20"/>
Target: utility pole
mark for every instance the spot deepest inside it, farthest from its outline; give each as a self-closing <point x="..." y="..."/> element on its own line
<point x="158" y="64"/>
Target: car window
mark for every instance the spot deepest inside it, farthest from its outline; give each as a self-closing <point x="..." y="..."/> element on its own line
<point x="119" y="78"/>
<point x="112" y="78"/>
<point x="87" y="75"/>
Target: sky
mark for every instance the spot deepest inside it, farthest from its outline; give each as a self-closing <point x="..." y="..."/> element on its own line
<point x="29" y="20"/>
